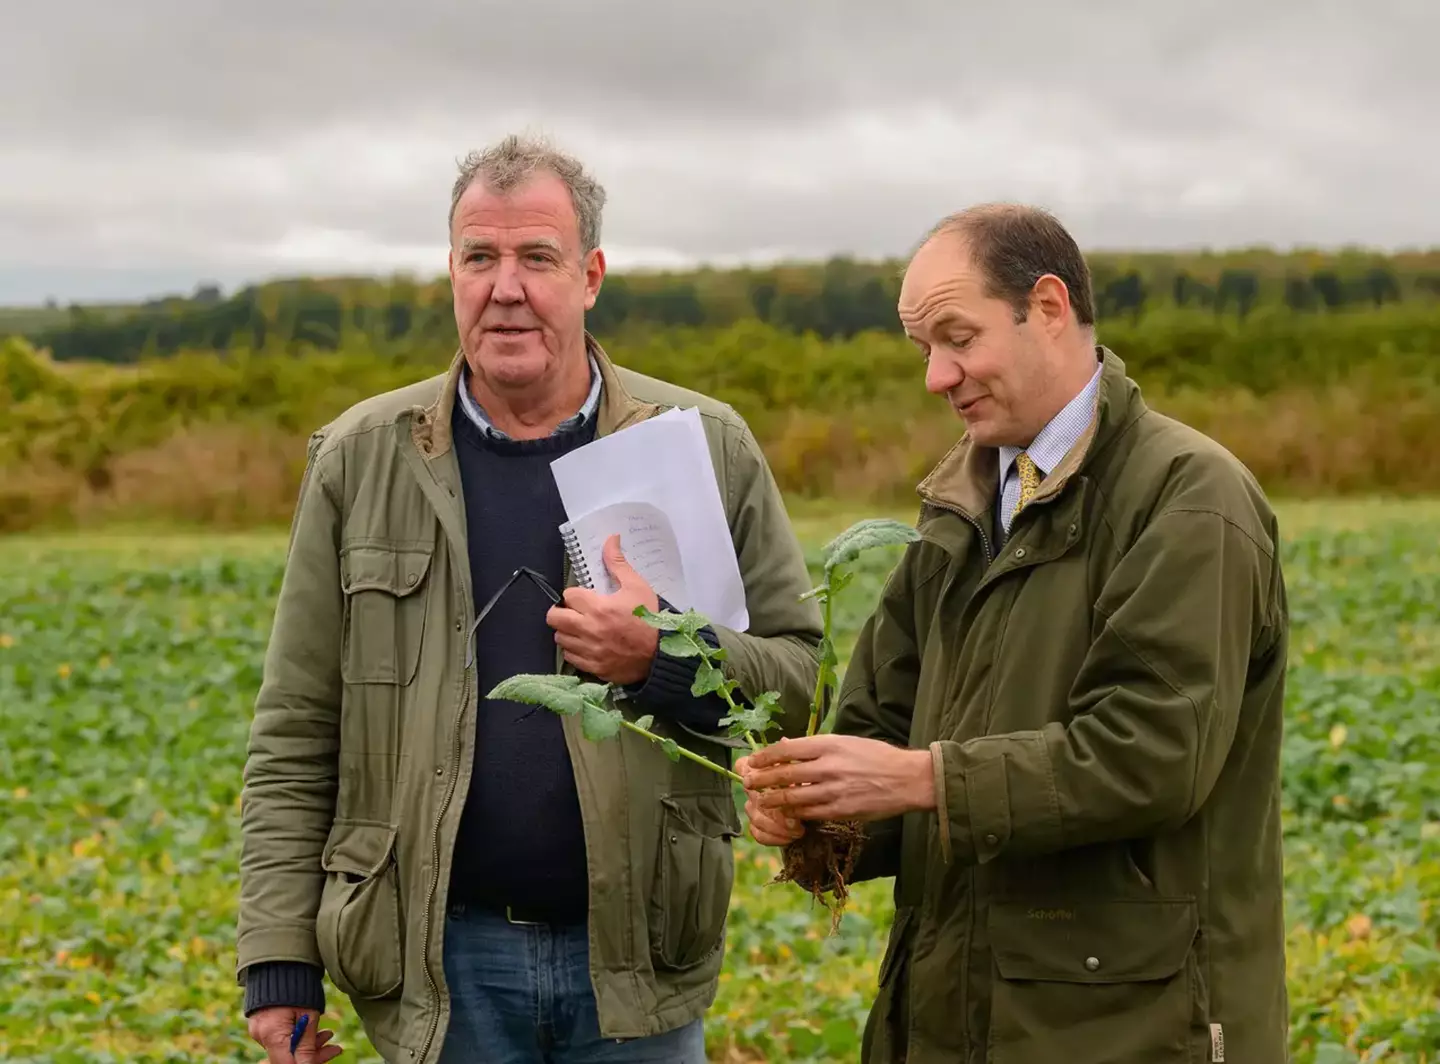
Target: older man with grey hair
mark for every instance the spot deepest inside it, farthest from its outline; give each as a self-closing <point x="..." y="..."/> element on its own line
<point x="481" y="881"/>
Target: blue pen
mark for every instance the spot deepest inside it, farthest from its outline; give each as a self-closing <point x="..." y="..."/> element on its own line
<point x="299" y="1030"/>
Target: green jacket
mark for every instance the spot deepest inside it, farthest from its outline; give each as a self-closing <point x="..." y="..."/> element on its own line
<point x="1101" y="882"/>
<point x="362" y="743"/>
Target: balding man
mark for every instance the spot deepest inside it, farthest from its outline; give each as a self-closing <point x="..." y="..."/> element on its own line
<point x="1063" y="720"/>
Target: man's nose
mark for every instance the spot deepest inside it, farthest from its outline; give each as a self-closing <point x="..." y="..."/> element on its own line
<point x="942" y="375"/>
<point x="509" y="287"/>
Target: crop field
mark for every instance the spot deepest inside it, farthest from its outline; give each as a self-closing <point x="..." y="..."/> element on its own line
<point x="128" y="665"/>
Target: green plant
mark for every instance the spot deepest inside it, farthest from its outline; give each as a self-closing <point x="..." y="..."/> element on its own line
<point x="822" y="859"/>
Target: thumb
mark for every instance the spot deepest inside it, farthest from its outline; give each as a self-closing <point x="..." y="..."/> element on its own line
<point x="620" y="568"/>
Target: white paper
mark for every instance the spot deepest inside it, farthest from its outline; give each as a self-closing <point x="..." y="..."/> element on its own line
<point x="664" y="461"/>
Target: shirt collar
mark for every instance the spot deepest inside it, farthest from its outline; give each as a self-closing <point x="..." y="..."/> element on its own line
<point x="1064" y="430"/>
<point x="476" y="413"/>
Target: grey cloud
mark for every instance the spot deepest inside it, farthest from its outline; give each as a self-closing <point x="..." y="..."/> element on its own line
<point x="162" y="137"/>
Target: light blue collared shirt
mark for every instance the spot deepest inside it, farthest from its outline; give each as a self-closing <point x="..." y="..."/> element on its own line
<point x="482" y="421"/>
<point x="1048" y="449"/>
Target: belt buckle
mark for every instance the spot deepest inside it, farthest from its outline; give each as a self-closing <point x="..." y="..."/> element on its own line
<point x="509" y="917"/>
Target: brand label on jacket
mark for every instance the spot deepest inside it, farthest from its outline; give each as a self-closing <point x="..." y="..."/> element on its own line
<point x="1217" y="1043"/>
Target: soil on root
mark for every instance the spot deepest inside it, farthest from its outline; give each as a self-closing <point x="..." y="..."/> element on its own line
<point x="822" y="861"/>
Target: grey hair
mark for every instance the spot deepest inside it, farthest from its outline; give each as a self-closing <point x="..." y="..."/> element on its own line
<point x="506" y="165"/>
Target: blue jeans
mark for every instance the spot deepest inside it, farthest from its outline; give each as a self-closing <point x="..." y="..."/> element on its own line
<point x="521" y="994"/>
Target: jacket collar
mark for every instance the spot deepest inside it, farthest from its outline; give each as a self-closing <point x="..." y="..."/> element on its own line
<point x="966" y="478"/>
<point x="430" y="426"/>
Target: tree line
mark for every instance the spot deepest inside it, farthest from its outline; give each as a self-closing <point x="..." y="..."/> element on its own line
<point x="837" y="299"/>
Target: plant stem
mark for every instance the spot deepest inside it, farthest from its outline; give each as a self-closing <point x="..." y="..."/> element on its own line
<point x="691" y="755"/>
<point x="820" y="676"/>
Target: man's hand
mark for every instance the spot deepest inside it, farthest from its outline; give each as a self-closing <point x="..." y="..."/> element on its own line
<point x="270" y="1028"/>
<point x="600" y="634"/>
<point x="767" y="828"/>
<point x="837" y="777"/>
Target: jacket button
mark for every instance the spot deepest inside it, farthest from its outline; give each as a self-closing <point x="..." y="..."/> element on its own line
<point x="1019" y="553"/>
<point x="1074" y="529"/>
<point x="1092" y="963"/>
<point x="459" y="626"/>
<point x="411" y="579"/>
<point x="992" y="840"/>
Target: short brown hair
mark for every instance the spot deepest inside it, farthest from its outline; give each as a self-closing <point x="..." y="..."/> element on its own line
<point x="1014" y="245"/>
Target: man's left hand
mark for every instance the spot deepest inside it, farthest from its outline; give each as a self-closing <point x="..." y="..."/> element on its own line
<point x="839" y="777"/>
<point x="600" y="634"/>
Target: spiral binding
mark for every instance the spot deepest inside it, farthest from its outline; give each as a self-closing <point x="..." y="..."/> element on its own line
<point x="571" y="539"/>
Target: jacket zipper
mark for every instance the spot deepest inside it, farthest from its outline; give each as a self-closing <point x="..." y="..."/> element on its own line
<point x="984" y="538"/>
<point x="435" y="862"/>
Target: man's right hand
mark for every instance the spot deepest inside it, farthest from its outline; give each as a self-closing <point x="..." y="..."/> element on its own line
<point x="271" y="1028"/>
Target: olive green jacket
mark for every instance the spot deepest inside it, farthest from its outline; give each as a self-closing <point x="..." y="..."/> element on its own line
<point x="362" y="743"/>
<point x="1102" y="880"/>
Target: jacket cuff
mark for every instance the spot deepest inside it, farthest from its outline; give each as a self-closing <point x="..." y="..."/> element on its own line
<point x="979" y="815"/>
<point x="292" y="983"/>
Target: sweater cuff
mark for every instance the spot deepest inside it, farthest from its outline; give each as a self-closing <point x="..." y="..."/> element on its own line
<point x="293" y="983"/>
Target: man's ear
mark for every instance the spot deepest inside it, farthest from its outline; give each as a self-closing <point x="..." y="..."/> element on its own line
<point x="1050" y="300"/>
<point x="594" y="275"/>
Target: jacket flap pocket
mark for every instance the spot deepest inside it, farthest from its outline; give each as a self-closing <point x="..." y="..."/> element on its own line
<point x="705" y="813"/>
<point x="1092" y="941"/>
<point x="357" y="847"/>
<point x="396" y="568"/>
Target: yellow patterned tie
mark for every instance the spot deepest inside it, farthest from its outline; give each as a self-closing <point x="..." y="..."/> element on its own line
<point x="1029" y="481"/>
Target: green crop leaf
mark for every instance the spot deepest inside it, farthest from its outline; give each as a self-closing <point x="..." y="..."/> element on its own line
<point x="828" y="658"/>
<point x="599" y="722"/>
<point x="559" y="693"/>
<point x="647" y="722"/>
<point x="671" y="748"/>
<point x="708" y="679"/>
<point x="688" y="622"/>
<point x="754" y="719"/>
<point x="863" y="535"/>
<point x="679" y="645"/>
<point x="666" y="622"/>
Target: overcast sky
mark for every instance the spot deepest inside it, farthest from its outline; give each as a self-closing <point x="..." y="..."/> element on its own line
<point x="149" y="145"/>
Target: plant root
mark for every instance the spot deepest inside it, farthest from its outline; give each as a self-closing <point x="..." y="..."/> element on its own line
<point x="822" y="860"/>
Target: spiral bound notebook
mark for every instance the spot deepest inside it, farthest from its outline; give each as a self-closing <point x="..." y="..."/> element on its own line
<point x="654" y="485"/>
<point x="647" y="539"/>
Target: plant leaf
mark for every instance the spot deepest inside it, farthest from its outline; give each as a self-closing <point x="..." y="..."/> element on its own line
<point x="865" y="534"/>
<point x="708" y="679"/>
<point x="559" y="693"/>
<point x="646" y="722"/>
<point x="688" y="622"/>
<point x="599" y="722"/>
<point x="828" y="659"/>
<point x="671" y="748"/>
<point x="679" y="645"/>
<point x="754" y="718"/>
<point x="666" y="622"/>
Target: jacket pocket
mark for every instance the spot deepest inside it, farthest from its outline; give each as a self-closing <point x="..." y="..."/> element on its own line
<point x="696" y="870"/>
<point x="1092" y="981"/>
<point x="358" y="924"/>
<point x="384" y="610"/>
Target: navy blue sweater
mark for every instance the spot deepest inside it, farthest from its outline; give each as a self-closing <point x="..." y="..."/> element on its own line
<point x="521" y="841"/>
